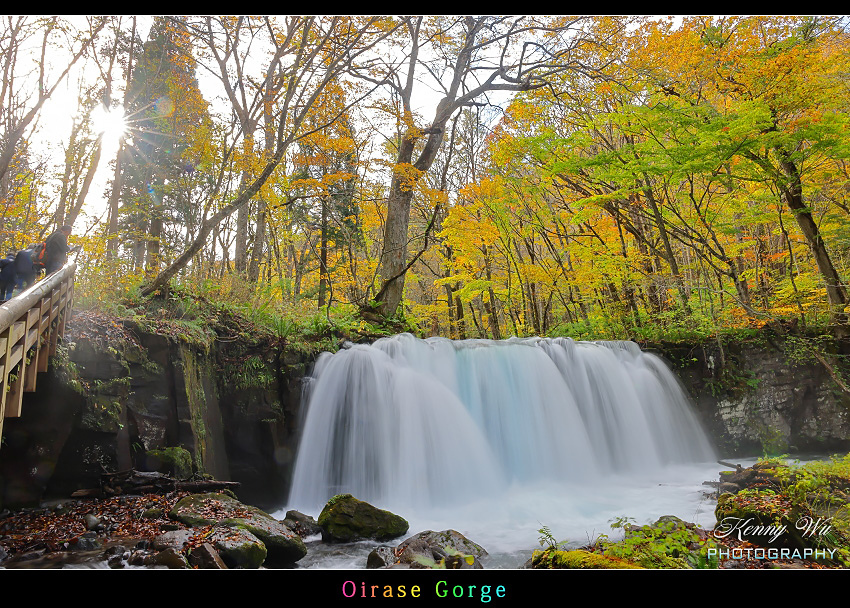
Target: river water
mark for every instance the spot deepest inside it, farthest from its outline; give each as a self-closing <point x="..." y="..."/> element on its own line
<point x="507" y="527"/>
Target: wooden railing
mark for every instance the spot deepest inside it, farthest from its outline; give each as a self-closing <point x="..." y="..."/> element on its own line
<point x="30" y="327"/>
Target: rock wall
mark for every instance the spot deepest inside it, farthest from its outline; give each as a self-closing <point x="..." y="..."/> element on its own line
<point x="762" y="396"/>
<point x="114" y="398"/>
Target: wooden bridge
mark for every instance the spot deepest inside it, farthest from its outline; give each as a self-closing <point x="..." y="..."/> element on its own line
<point x="31" y="324"/>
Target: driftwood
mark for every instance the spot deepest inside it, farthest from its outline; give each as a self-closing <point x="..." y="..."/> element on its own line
<point x="150" y="482"/>
<point x="737" y="467"/>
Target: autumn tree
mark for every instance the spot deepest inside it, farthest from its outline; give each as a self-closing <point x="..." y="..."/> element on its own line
<point x="789" y="69"/>
<point x="310" y="53"/>
<point x="326" y="170"/>
<point x="467" y="59"/>
<point x="167" y="113"/>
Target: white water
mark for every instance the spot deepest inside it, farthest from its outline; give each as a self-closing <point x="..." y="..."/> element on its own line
<point x="497" y="439"/>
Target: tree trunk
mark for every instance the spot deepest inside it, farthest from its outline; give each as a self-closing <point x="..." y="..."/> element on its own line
<point x="114" y="199"/>
<point x="260" y="234"/>
<point x="154" y="244"/>
<point x="792" y="192"/>
<point x="668" y="249"/>
<point x="394" y="254"/>
<point x="240" y="254"/>
<point x="323" y="254"/>
<point x="75" y="209"/>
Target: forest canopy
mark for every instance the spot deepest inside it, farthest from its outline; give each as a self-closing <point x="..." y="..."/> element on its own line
<point x="594" y="177"/>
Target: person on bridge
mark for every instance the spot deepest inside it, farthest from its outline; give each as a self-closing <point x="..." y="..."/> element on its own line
<point x="25" y="270"/>
<point x="57" y="250"/>
<point x="7" y="276"/>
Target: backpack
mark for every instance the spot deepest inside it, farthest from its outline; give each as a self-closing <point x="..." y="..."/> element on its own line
<point x="39" y="254"/>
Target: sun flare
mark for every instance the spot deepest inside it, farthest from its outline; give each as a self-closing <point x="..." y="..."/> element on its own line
<point x="111" y="123"/>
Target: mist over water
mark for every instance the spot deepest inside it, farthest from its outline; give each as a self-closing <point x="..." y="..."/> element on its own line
<point x="498" y="438"/>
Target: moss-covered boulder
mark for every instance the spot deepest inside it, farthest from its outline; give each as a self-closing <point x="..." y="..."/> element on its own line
<point x="345" y="519"/>
<point x="238" y="547"/>
<point x="283" y="544"/>
<point x="175" y="461"/>
<point x="578" y="559"/>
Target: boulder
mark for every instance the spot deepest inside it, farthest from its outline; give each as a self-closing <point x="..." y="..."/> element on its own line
<point x="238" y="547"/>
<point x="303" y="525"/>
<point x="381" y="557"/>
<point x="282" y="544"/>
<point x="175" y="461"/>
<point x="449" y="549"/>
<point x="115" y="556"/>
<point x="346" y="519"/>
<point x="206" y="557"/>
<point x="174" y="539"/>
<point x="170" y="558"/>
<point x="89" y="541"/>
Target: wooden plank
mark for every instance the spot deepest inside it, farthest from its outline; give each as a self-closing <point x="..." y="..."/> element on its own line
<point x="31" y="372"/>
<point x="15" y="356"/>
<point x="43" y="329"/>
<point x="16" y="397"/>
<point x="36" y="364"/>
<point x="43" y="356"/>
<point x="66" y="312"/>
<point x="54" y="336"/>
<point x="32" y="316"/>
<point x="44" y="307"/>
<point x="18" y="330"/>
<point x="31" y="348"/>
<point x="31" y="338"/>
<point x="4" y="376"/>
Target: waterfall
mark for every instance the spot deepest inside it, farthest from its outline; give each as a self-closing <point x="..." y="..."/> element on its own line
<point x="436" y="422"/>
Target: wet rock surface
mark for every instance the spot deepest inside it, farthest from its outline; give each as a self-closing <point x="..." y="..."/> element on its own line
<point x="145" y="531"/>
<point x="447" y="549"/>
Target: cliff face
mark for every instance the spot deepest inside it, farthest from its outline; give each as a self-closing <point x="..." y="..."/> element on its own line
<point x="766" y="396"/>
<point x="116" y="397"/>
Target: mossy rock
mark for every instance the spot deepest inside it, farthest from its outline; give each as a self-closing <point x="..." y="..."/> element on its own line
<point x="153" y="513"/>
<point x="237" y="547"/>
<point x="196" y="510"/>
<point x="345" y="519"/>
<point x="577" y="559"/>
<point x="175" y="461"/>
